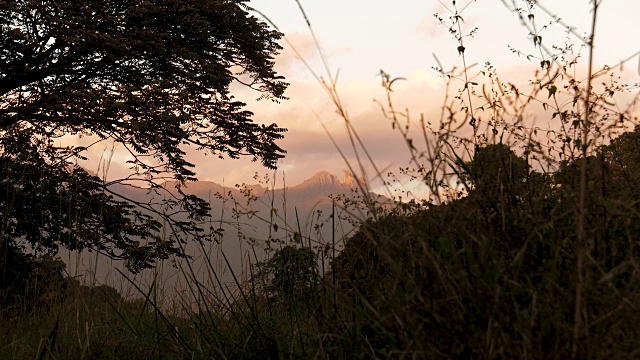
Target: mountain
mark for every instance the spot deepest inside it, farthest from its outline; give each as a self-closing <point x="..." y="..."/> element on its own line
<point x="324" y="179"/>
<point x="250" y="227"/>
<point x="311" y="195"/>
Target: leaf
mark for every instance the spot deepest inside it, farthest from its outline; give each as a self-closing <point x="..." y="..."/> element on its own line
<point x="537" y="40"/>
<point x="394" y="80"/>
<point x="544" y="105"/>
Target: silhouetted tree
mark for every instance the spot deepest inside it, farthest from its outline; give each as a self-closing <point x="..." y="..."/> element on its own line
<point x="290" y="272"/>
<point x="153" y="77"/>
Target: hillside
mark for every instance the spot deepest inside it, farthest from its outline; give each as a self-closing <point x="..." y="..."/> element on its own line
<point x="247" y="225"/>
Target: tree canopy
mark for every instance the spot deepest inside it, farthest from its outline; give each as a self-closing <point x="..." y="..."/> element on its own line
<point x="152" y="76"/>
<point x="514" y="231"/>
<point x="291" y="271"/>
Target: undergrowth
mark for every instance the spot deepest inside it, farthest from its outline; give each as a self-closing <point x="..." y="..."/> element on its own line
<point x="527" y="246"/>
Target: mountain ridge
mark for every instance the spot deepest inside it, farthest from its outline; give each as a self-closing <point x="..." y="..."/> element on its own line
<point x="321" y="178"/>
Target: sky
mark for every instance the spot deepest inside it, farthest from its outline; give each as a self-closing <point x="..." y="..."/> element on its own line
<point x="361" y="37"/>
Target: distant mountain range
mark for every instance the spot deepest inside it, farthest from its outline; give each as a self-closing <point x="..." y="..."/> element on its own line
<point x="275" y="214"/>
<point x="305" y="197"/>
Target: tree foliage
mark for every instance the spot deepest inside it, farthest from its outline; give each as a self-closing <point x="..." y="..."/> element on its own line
<point x="501" y="257"/>
<point x="153" y="77"/>
<point x="289" y="273"/>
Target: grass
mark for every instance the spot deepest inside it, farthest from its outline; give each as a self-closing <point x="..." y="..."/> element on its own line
<point x="527" y="247"/>
<point x="87" y="323"/>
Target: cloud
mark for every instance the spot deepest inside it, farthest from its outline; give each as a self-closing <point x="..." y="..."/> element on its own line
<point x="309" y="147"/>
<point x="311" y="150"/>
<point x="303" y="44"/>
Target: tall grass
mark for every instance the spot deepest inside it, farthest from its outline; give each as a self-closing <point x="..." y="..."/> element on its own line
<point x="526" y="247"/>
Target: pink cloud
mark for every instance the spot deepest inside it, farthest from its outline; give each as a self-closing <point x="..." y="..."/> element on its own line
<point x="309" y="147"/>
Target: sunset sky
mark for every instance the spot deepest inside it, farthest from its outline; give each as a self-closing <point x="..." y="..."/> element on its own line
<point x="361" y="37"/>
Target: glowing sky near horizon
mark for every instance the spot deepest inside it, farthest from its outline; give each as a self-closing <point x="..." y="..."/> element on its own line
<point x="360" y="37"/>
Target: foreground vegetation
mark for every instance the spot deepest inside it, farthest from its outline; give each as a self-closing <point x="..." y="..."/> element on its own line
<point x="527" y="248"/>
<point x="488" y="275"/>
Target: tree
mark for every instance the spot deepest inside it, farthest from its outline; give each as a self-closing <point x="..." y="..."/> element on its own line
<point x="290" y="272"/>
<point x="611" y="219"/>
<point x="496" y="169"/>
<point x="152" y="76"/>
